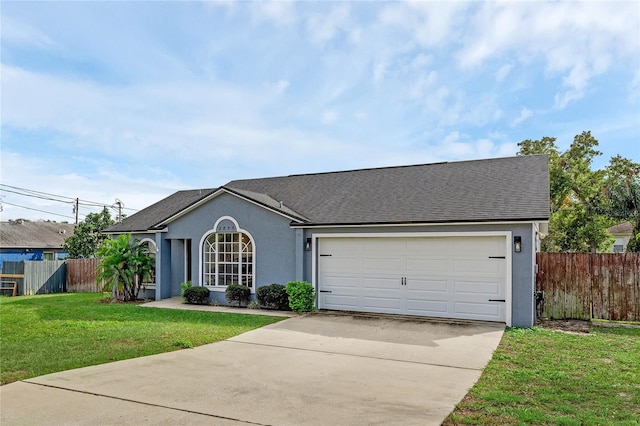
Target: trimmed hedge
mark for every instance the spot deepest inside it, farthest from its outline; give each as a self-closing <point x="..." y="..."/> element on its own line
<point x="273" y="296"/>
<point x="237" y="293"/>
<point x="196" y="295"/>
<point x="301" y="296"/>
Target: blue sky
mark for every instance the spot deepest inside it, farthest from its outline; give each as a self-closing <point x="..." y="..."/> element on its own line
<point x="136" y="100"/>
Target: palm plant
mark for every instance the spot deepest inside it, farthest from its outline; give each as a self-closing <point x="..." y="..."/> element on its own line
<point x="124" y="265"/>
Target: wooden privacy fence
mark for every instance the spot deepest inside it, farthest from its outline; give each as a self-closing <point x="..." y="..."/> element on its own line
<point x="589" y="285"/>
<point x="40" y="276"/>
<point x="81" y="276"/>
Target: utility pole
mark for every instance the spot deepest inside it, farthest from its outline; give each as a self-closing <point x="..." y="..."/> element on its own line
<point x="120" y="205"/>
<point x="75" y="209"/>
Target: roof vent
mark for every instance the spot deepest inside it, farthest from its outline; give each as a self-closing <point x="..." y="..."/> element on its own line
<point x="280" y="204"/>
<point x="62" y="231"/>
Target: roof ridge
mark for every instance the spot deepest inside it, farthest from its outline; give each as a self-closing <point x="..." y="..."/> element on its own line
<point x="438" y="163"/>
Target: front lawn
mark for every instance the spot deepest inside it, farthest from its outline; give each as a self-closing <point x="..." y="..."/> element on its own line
<point x="542" y="376"/>
<point x="48" y="333"/>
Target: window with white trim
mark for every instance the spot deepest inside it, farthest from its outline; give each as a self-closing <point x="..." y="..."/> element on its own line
<point x="227" y="259"/>
<point x="150" y="281"/>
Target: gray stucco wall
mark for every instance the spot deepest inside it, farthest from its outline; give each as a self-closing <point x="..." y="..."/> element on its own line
<point x="275" y="241"/>
<point x="523" y="284"/>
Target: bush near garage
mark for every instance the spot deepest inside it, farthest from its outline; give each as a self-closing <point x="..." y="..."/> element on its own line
<point x="273" y="296"/>
<point x="196" y="295"/>
<point x="301" y="296"/>
<point x="237" y="293"/>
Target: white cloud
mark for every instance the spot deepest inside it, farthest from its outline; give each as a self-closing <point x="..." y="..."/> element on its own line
<point x="276" y="12"/>
<point x="525" y="113"/>
<point x="21" y="33"/>
<point x="430" y="23"/>
<point x="576" y="40"/>
<point x="138" y="189"/>
<point x="502" y="73"/>
<point x="324" y="27"/>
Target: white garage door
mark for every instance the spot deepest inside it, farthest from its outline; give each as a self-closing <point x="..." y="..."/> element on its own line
<point x="452" y="277"/>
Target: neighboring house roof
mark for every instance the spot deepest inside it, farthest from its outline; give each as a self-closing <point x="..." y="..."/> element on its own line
<point x="32" y="235"/>
<point x="501" y="189"/>
<point x="621" y="229"/>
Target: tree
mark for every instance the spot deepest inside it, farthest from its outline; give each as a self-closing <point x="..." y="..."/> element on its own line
<point x="578" y="222"/>
<point x="124" y="265"/>
<point x="88" y="236"/>
<point x="622" y="190"/>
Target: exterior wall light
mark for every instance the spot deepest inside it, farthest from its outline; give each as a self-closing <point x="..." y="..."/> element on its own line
<point x="517" y="244"/>
<point x="307" y="244"/>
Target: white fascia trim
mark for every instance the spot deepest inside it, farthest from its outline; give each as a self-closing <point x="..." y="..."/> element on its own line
<point x="215" y="195"/>
<point x="413" y="224"/>
<point x="508" y="255"/>
<point x="152" y="231"/>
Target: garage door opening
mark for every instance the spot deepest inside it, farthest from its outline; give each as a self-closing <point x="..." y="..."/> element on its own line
<point x="461" y="277"/>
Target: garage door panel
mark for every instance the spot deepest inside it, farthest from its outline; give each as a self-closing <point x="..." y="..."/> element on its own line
<point x="435" y="246"/>
<point x="383" y="303"/>
<point x="382" y="265"/>
<point x="351" y="247"/>
<point x="428" y="266"/>
<point x="341" y="264"/>
<point x="340" y="281"/>
<point x="426" y="285"/>
<point x="427" y="307"/>
<point x="341" y="301"/>
<point x="382" y="247"/>
<point x="477" y="266"/>
<point x="475" y="288"/>
<point x="382" y="283"/>
<point x="486" y="310"/>
<point x="491" y="246"/>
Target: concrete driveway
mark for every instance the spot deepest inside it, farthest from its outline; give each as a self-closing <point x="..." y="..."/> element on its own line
<point x="319" y="369"/>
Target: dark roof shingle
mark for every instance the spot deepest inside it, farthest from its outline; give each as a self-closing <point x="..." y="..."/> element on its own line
<point x="500" y="189"/>
<point x="151" y="216"/>
<point x="513" y="188"/>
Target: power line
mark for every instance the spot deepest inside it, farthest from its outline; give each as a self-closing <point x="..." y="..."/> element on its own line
<point x="38" y="210"/>
<point x="36" y="196"/>
<point x="46" y="196"/>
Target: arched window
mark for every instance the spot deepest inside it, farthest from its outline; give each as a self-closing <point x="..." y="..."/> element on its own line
<point x="152" y="249"/>
<point x="227" y="256"/>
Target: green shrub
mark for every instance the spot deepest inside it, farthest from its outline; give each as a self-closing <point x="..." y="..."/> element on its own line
<point x="301" y="296"/>
<point x="185" y="285"/>
<point x="237" y="293"/>
<point x="196" y="295"/>
<point x="273" y="296"/>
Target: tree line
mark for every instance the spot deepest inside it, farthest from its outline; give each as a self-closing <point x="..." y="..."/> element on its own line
<point x="586" y="202"/>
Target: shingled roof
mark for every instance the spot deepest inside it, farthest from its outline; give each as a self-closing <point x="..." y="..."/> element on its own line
<point x="34" y="235"/>
<point x="151" y="216"/>
<point x="501" y="189"/>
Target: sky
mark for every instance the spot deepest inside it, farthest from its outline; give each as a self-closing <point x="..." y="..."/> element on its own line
<point x="134" y="100"/>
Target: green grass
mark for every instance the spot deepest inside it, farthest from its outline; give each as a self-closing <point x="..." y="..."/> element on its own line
<point x="48" y="333"/>
<point x="540" y="376"/>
